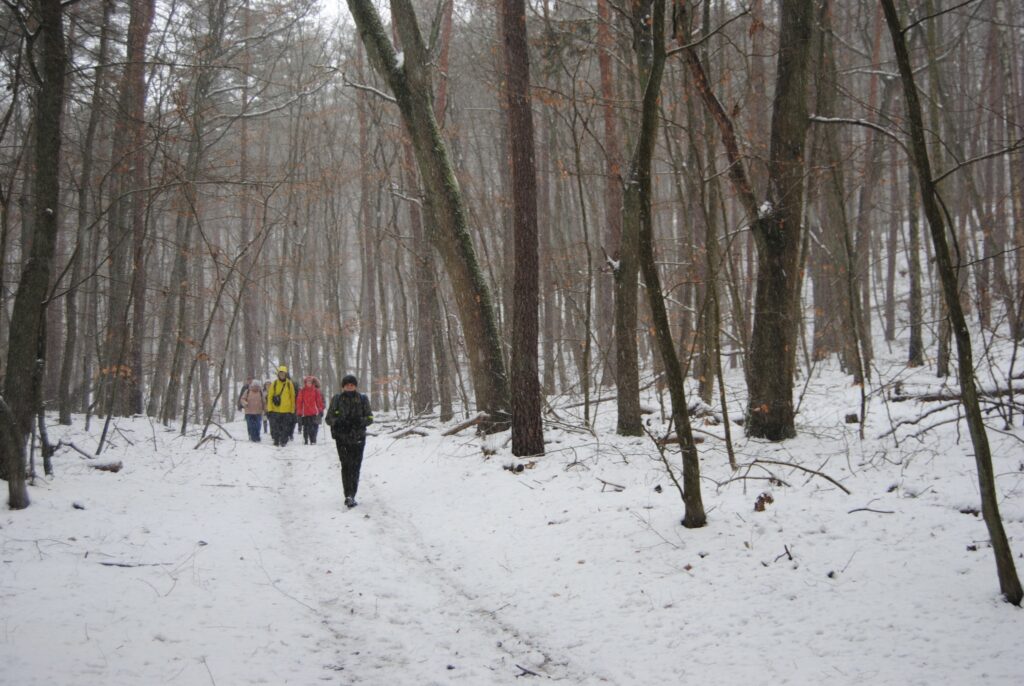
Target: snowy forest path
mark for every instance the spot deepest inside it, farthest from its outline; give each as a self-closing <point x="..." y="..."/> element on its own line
<point x="380" y="589"/>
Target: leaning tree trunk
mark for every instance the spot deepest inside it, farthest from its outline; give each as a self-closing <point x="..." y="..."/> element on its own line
<point x="639" y="178"/>
<point x="410" y="84"/>
<point x="1009" y="584"/>
<point x="26" y="350"/>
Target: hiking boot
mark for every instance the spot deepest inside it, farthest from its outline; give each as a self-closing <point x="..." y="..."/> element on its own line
<point x="350" y="502"/>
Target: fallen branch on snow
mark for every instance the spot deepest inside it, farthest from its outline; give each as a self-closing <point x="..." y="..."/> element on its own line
<point x="608" y="484"/>
<point x="806" y="469"/>
<point x="71" y="445"/>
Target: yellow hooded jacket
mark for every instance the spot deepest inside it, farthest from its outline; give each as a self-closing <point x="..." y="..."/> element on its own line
<point x="286" y="389"/>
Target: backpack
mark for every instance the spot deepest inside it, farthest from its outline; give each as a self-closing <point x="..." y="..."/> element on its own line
<point x="349" y="416"/>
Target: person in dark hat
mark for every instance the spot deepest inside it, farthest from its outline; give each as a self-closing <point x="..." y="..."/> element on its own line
<point x="348" y="416"/>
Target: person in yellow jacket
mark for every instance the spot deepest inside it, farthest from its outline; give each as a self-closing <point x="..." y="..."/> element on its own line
<point x="281" y="407"/>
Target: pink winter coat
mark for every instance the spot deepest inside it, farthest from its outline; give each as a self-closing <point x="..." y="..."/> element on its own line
<point x="252" y="400"/>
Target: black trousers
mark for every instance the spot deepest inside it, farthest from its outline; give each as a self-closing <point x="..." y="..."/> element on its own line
<point x="351" y="456"/>
<point x="281" y="426"/>
<point x="310" y="427"/>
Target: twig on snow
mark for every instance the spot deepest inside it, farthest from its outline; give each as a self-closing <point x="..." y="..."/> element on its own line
<point x="868" y="509"/>
<point x="212" y="680"/>
<point x="525" y="672"/>
<point x="204" y="439"/>
<point x="785" y="554"/>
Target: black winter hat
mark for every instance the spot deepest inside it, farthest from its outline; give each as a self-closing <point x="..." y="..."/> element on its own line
<point x="349" y="379"/>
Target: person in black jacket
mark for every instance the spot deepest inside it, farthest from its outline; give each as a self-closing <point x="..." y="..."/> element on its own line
<point x="348" y="416"/>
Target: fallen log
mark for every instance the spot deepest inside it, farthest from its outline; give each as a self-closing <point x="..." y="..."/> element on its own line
<point x="412" y="431"/>
<point x="950" y="395"/>
<point x="474" y="421"/>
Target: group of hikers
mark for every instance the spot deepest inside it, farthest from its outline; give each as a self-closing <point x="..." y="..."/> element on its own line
<point x="277" y="405"/>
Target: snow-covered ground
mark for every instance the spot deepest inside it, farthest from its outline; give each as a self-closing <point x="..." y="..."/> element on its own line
<point x="236" y="563"/>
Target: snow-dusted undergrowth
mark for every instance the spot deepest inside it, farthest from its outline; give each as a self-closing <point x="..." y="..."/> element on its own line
<point x="237" y="563"/>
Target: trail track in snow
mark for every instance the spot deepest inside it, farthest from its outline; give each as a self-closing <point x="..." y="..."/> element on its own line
<point x="381" y="592"/>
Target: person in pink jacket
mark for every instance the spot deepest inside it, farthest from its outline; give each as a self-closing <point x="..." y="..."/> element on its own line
<point x="254" y="403"/>
<point x="309" y="406"/>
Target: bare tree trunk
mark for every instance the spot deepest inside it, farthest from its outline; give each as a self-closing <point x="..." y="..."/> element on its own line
<point x="546" y="262"/>
<point x="410" y="84"/>
<point x="123" y="357"/>
<point x="527" y="429"/>
<point x="180" y="279"/>
<point x="639" y="177"/>
<point x="626" y="267"/>
<point x="844" y="258"/>
<point x="865" y="205"/>
<point x="382" y="368"/>
<point x="135" y="81"/>
<point x="1009" y="583"/>
<point x="770" y="364"/>
<point x="613" y="183"/>
<point x="776" y="222"/>
<point x="250" y="306"/>
<point x="1014" y="113"/>
<point x="26" y="351"/>
<point x="445" y="384"/>
<point x="423" y="391"/>
<point x="85" y="191"/>
<point x="915" y="304"/>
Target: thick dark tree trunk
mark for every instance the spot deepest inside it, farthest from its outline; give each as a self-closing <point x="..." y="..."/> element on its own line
<point x="135" y="81"/>
<point x="26" y="350"/>
<point x="1009" y="583"/>
<point x="772" y="357"/>
<point x="527" y="429"/>
<point x="122" y="378"/>
<point x="776" y="222"/>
